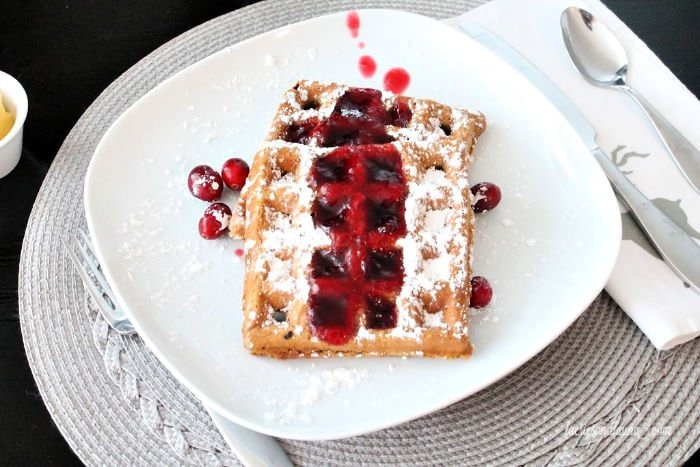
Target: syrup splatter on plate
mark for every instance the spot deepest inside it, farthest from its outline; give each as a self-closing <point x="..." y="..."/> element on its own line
<point x="396" y="79"/>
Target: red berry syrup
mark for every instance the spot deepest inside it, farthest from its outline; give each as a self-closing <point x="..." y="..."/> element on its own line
<point x="367" y="66"/>
<point x="352" y="21"/>
<point x="360" y="196"/>
<point x="396" y="80"/>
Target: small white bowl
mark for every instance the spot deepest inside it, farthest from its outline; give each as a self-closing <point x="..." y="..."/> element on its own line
<point x="15" y="100"/>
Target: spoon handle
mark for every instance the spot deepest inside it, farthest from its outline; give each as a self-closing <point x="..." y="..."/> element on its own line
<point x="674" y="245"/>
<point x="684" y="154"/>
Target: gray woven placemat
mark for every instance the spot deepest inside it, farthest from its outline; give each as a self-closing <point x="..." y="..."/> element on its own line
<point x="600" y="394"/>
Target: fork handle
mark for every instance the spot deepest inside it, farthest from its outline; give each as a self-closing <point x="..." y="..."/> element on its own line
<point x="110" y="311"/>
<point x="116" y="318"/>
<point x="675" y="246"/>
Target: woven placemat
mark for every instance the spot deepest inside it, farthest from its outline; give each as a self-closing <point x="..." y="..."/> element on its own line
<point x="599" y="394"/>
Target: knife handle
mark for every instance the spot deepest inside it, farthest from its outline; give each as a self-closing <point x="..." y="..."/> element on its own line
<point x="676" y="247"/>
<point x="253" y="449"/>
<point x="684" y="154"/>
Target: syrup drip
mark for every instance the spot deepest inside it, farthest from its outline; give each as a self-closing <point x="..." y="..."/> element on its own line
<point x="352" y="21"/>
<point x="367" y="66"/>
<point x="396" y="80"/>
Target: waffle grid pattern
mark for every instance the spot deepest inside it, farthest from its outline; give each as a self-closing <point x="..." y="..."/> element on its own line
<point x="352" y="160"/>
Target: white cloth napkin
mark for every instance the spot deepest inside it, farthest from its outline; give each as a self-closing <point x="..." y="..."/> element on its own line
<point x="659" y="303"/>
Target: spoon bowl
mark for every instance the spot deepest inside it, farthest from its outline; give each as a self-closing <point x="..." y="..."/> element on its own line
<point x="601" y="59"/>
<point x="593" y="48"/>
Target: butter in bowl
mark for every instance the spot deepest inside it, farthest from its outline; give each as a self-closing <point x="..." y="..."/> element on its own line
<point x="7" y="120"/>
<point x="13" y="112"/>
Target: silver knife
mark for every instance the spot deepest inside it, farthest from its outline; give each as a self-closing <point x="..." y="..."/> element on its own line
<point x="675" y="246"/>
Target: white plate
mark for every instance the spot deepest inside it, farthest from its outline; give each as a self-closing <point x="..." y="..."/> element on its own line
<point x="547" y="249"/>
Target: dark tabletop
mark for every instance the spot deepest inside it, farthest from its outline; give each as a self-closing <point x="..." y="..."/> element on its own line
<point x="65" y="53"/>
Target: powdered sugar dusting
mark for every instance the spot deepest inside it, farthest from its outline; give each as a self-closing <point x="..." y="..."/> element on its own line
<point x="145" y="242"/>
<point x="280" y="273"/>
<point x="436" y="220"/>
<point x="296" y="101"/>
<point x="294" y="407"/>
<point x="287" y="238"/>
<point x="437" y="269"/>
<point x="223" y="218"/>
<point x="434" y="247"/>
<point x="435" y="320"/>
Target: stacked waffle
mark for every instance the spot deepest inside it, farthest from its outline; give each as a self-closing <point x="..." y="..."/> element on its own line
<point x="358" y="226"/>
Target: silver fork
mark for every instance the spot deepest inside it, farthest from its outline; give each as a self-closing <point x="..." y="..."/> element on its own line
<point x="82" y="255"/>
<point x="253" y="449"/>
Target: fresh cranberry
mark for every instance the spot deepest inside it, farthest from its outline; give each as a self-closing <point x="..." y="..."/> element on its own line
<point x="481" y="292"/>
<point x="234" y="172"/>
<point x="486" y="196"/>
<point x="205" y="183"/>
<point x="215" y="221"/>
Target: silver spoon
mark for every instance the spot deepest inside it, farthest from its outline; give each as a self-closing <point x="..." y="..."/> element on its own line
<point x="601" y="58"/>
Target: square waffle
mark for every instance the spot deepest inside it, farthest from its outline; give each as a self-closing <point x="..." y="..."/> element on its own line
<point x="358" y="225"/>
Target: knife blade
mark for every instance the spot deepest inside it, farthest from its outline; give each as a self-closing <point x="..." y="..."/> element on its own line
<point x="678" y="249"/>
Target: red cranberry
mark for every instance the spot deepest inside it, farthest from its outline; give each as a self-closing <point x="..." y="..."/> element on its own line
<point x="486" y="196"/>
<point x="234" y="172"/>
<point x="481" y="292"/>
<point x="205" y="183"/>
<point x="215" y="221"/>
